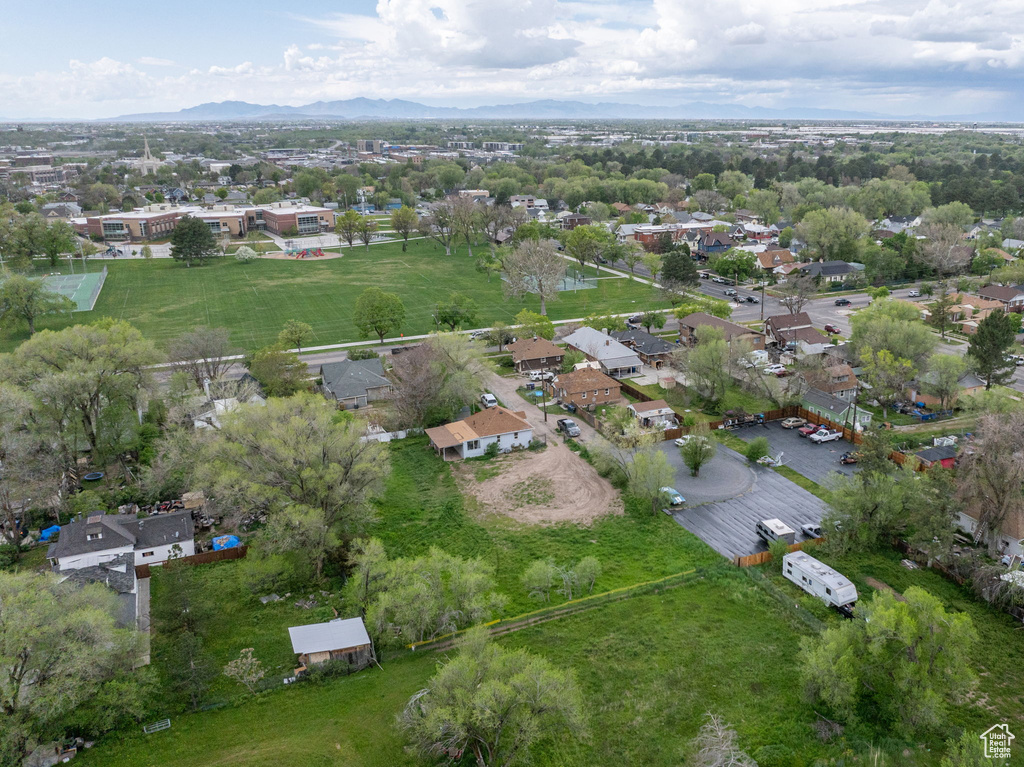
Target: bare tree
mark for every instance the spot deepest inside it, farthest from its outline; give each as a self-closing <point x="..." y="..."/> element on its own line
<point x="796" y="293"/>
<point x="494" y="219"/>
<point x="944" y="249"/>
<point x="245" y="669"/>
<point x="990" y="477"/>
<point x="203" y="353"/>
<point x="534" y="267"/>
<point x="715" y="746"/>
<point x="709" y="201"/>
<point x="434" y="381"/>
<point x="440" y="225"/>
<point x="466" y="221"/>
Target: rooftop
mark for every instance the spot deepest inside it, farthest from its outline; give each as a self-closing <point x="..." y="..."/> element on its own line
<point x="333" y="635"/>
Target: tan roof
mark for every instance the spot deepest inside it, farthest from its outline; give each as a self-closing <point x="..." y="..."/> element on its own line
<point x="730" y="329"/>
<point x="534" y="349"/>
<point x="965" y="299"/>
<point x="769" y="259"/>
<point x="487" y="423"/>
<point x="584" y="379"/>
<point x="654" y="404"/>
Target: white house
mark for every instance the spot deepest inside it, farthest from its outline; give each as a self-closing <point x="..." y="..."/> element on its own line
<point x="655" y="413"/>
<point x="101" y="538"/>
<point x="470" y="437"/>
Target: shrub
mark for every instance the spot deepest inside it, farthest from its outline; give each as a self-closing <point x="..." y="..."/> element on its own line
<point x="778" y="550"/>
<point x="362" y="354"/>
<point x="757" y="448"/>
<point x="491" y="451"/>
<point x="774" y="756"/>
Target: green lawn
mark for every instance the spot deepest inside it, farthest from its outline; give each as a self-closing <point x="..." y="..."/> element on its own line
<point x="164" y="298"/>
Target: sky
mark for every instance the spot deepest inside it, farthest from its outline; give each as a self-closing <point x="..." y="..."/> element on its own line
<point x="896" y="57"/>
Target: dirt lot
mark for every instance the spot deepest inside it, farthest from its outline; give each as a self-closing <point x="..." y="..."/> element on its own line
<point x="552" y="486"/>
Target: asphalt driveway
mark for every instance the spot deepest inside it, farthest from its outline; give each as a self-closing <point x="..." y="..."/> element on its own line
<point x="731" y="496"/>
<point x="816" y="462"/>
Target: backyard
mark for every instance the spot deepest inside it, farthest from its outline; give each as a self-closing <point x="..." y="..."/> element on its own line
<point x="164" y="298"/>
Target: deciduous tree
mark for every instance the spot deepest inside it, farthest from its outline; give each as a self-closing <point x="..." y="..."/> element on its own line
<point x="295" y="334"/>
<point x="457" y="312"/>
<point x="530" y="324"/>
<point x="435" y="380"/>
<point x="203" y="353"/>
<point x="534" y="267"/>
<point x="943" y="379"/>
<point x="378" y="313"/>
<point x="887" y="375"/>
<point x="366" y="229"/>
<point x="440" y="225"/>
<point x="347" y="225"/>
<point x="281" y="373"/>
<point x="494" y="704"/>
<point x="648" y="473"/>
<point x="699" y="449"/>
<point x="404" y="221"/>
<point x="24" y="300"/>
<point x="991" y="475"/>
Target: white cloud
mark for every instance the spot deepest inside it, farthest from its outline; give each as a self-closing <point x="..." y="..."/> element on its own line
<point x="152" y="61"/>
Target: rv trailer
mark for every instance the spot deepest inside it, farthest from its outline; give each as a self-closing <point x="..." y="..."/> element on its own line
<point x="822" y="581"/>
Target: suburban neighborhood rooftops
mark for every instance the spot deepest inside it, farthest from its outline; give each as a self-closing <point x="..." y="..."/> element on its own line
<point x="654" y="405"/>
<point x="100" y="532"/>
<point x="826" y="401"/>
<point x="534" y="349"/>
<point x="702" y="319"/>
<point x="324" y="637"/>
<point x="1001" y="293"/>
<point x="598" y="345"/>
<point x="831" y="268"/>
<point x="584" y="379"/>
<point x="807" y="335"/>
<point x="769" y="259"/>
<point x="785" y="321"/>
<point x="351" y="378"/>
<point x="937" y="453"/>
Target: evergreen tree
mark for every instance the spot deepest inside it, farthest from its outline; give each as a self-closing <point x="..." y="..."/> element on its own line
<point x="192" y="241"/>
<point x="678" y="270"/>
<point x="989" y="346"/>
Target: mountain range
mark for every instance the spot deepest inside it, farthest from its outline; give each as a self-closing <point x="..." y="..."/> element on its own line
<point x="397" y="109"/>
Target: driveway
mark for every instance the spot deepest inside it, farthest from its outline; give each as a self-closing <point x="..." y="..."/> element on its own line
<point x="727" y="524"/>
<point x="816" y="462"/>
<point x="504" y="388"/>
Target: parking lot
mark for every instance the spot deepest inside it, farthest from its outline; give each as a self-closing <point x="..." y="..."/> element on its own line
<point x="816" y="462"/>
<point x="731" y="496"/>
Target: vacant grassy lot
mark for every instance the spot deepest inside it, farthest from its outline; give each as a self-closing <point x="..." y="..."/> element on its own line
<point x="164" y="298"/>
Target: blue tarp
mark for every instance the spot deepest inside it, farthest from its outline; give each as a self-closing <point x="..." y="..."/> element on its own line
<point x="226" y="542"/>
<point x="49" y="532"/>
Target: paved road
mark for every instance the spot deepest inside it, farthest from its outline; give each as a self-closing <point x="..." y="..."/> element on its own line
<point x="816" y="462"/>
<point x="728" y="525"/>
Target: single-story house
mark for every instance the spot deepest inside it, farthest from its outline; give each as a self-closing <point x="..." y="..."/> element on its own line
<point x="655" y="413"/>
<point x="689" y="325"/>
<point x="118" y="575"/>
<point x="1011" y="534"/>
<point x="355" y="383"/>
<point x="101" y="538"/>
<point x="1010" y="296"/>
<point x="470" y="437"/>
<point x="836" y="379"/>
<point x="832" y="271"/>
<point x="536" y="354"/>
<point x="804" y="341"/>
<point x="823" y="404"/>
<point x="774" y="325"/>
<point x="585" y="388"/>
<point x="900" y="223"/>
<point x="616" y="359"/>
<point x="1011" y="243"/>
<point x="943" y="455"/>
<point x="339" y="639"/>
<point x="654" y="351"/>
<point x="969" y="383"/>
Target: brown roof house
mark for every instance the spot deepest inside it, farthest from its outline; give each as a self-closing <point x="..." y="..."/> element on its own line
<point x="654" y="414"/>
<point x="774" y="325"/>
<point x="772" y="259"/>
<point x="1011" y="297"/>
<point x="585" y="388"/>
<point x="689" y="324"/>
<point x="470" y="437"/>
<point x="536" y="354"/>
<point x="837" y="380"/>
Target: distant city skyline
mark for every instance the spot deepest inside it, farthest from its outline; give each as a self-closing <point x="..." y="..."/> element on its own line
<point x="898" y="58"/>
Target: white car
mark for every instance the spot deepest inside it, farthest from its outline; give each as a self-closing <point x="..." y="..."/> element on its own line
<point x="541" y="375"/>
<point x="774" y="369"/>
<point x="729" y="292"/>
<point x="488" y="400"/>
<point x="686" y="438"/>
<point x="914" y="294"/>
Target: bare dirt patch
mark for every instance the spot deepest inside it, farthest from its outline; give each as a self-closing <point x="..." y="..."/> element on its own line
<point x="551" y="486"/>
<point x="883" y="586"/>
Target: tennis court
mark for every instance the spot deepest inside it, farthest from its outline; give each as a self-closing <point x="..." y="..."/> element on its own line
<point x="83" y="289"/>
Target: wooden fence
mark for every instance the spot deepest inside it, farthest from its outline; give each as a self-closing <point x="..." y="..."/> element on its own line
<point x="635" y="393"/>
<point x="766" y="556"/>
<point x="207" y="557"/>
<point x="848" y="434"/>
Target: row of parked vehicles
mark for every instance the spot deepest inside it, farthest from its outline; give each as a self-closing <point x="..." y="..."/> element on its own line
<point x="816" y="433"/>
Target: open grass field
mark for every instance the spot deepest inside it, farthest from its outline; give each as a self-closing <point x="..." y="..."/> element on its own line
<point x="164" y="298"/>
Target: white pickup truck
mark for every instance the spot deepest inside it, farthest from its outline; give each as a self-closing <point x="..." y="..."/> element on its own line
<point x="825" y="435"/>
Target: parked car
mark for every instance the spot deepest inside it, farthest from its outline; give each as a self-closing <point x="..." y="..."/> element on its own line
<point x="477" y="334"/>
<point x="1020" y="360"/>
<point x="811" y="530"/>
<point x="832" y="329"/>
<point x="673" y="496"/>
<point x="808" y="430"/>
<point x="774" y="369"/>
<point x="488" y="400"/>
<point x="541" y="375"/>
<point x="843" y="302"/>
<point x="719" y="280"/>
<point x="729" y="292"/>
<point x="825" y="435"/>
<point x="753" y="300"/>
<point x="914" y="294"/>
<point x="793" y="423"/>
<point x="847" y="458"/>
<point x="569" y="427"/>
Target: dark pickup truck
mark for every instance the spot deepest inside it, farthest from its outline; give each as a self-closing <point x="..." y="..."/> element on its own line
<point x="568" y="427"/>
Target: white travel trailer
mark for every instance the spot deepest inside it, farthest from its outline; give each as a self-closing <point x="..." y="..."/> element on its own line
<point x="819" y="579"/>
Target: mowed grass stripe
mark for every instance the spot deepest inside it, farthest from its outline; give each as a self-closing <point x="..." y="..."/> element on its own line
<point x="164" y="298"/>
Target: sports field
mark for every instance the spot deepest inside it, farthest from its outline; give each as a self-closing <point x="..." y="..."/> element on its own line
<point x="163" y="298"/>
<point x="82" y="288"/>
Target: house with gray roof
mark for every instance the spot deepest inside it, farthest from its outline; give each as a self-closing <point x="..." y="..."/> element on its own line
<point x="616" y="359"/>
<point x="101" y="538"/>
<point x="653" y="351"/>
<point x="355" y="383"/>
<point x="118" y="575"/>
<point x="336" y="640"/>
<point x="832" y="271"/>
<point x="829" y="407"/>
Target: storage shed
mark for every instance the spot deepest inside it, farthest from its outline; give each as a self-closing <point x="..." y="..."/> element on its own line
<point x="339" y="639"/>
